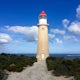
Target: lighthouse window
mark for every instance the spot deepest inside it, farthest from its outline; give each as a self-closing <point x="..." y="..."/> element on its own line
<point x="42" y="28"/>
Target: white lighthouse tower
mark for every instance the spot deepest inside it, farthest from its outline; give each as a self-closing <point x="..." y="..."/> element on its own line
<point x="43" y="50"/>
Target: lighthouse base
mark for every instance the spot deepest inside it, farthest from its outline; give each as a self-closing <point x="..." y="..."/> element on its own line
<point x="41" y="57"/>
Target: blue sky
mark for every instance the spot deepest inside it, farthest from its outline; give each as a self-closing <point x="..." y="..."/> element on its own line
<point x="18" y="25"/>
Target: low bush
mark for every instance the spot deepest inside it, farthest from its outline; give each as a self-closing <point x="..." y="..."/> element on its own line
<point x="63" y="66"/>
<point x="14" y="63"/>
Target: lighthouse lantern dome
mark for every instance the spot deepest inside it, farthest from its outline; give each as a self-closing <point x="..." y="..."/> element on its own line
<point x="43" y="15"/>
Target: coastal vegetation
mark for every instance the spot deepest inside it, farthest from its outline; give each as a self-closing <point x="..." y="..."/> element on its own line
<point x="14" y="63"/>
<point x="62" y="66"/>
<point x="58" y="66"/>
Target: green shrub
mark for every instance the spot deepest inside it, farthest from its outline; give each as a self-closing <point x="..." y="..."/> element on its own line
<point x="6" y="60"/>
<point x="63" y="66"/>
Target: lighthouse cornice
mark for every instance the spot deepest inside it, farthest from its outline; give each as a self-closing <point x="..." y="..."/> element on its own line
<point x="42" y="24"/>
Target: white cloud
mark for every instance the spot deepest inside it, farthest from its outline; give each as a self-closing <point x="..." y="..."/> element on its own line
<point x="23" y="29"/>
<point x="71" y="38"/>
<point x="57" y="31"/>
<point x="65" y="22"/>
<point x="67" y="37"/>
<point x="4" y="38"/>
<point x="75" y="28"/>
<point x="78" y="12"/>
<point x="76" y="40"/>
<point x="51" y="37"/>
<point x="58" y="41"/>
<point x="30" y="32"/>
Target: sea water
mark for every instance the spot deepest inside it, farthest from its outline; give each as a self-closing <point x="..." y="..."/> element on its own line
<point x="56" y="55"/>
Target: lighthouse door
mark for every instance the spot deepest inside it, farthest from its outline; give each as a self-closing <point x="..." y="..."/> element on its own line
<point x="42" y="56"/>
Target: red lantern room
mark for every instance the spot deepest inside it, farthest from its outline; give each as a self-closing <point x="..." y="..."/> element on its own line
<point x="42" y="18"/>
<point x="43" y="14"/>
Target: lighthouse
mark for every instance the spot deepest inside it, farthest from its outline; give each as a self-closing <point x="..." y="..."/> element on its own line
<point x="42" y="50"/>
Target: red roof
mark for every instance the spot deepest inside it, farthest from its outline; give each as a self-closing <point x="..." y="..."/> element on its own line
<point x="42" y="13"/>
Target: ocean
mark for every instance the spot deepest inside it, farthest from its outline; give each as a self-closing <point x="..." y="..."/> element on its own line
<point x="57" y="55"/>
